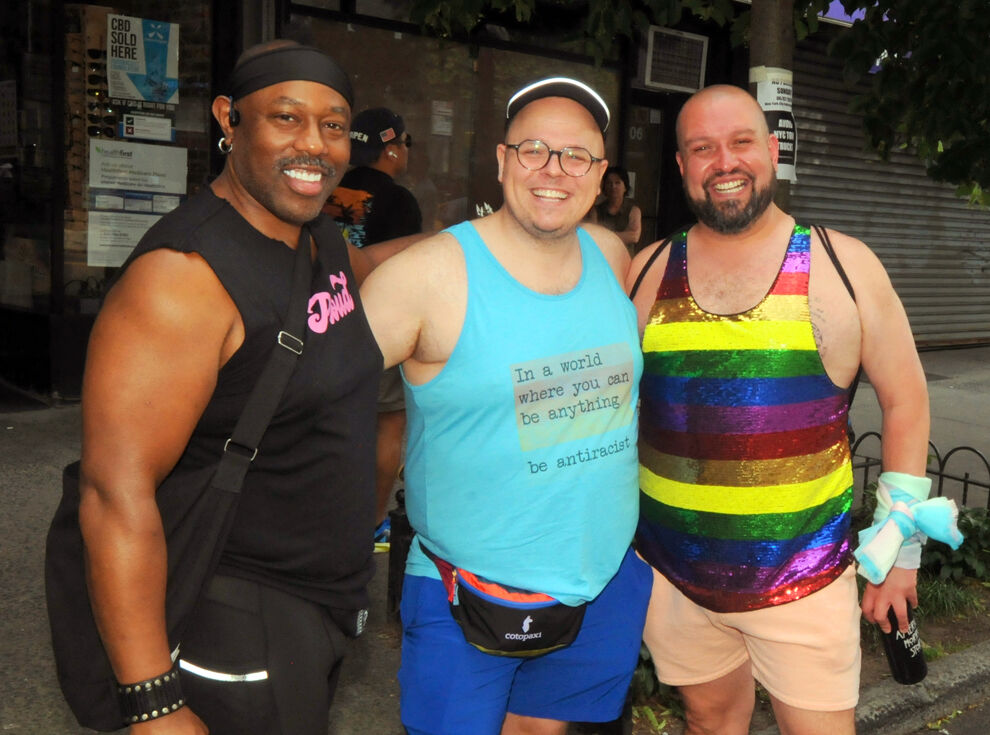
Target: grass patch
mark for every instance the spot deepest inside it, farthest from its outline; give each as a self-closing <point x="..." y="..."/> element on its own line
<point x="939" y="598"/>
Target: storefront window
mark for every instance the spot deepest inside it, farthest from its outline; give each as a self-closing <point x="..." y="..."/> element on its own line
<point x="104" y="127"/>
<point x="27" y="157"/>
<point x="453" y="103"/>
<point x="137" y="131"/>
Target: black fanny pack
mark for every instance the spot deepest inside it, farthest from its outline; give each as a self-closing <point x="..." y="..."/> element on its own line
<point x="506" y="621"/>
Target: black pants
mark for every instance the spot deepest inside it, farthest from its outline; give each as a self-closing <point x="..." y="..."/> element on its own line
<point x="257" y="661"/>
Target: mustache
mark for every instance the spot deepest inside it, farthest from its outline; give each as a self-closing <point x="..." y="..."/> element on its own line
<point x="308" y="162"/>
<point x="734" y="172"/>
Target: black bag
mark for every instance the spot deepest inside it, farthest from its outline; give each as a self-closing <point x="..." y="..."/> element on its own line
<point x="197" y="509"/>
<point x="506" y="621"/>
<point x="196" y="515"/>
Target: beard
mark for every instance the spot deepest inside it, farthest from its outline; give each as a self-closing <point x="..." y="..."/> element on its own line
<point x="731" y="218"/>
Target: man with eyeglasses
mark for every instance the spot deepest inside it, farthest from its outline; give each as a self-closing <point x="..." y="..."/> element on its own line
<point x="521" y="365"/>
<point x="370" y="207"/>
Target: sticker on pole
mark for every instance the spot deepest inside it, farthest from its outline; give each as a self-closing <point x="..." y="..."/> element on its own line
<point x="774" y="92"/>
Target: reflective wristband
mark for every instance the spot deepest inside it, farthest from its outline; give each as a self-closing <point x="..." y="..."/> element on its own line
<point x="152" y="698"/>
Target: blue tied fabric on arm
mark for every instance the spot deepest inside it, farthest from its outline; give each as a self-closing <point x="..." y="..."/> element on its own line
<point x="903" y="521"/>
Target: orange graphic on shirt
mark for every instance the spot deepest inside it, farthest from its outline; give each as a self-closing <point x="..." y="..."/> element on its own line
<point x="348" y="205"/>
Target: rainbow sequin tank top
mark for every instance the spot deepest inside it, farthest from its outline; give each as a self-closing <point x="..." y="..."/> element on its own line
<point x="745" y="470"/>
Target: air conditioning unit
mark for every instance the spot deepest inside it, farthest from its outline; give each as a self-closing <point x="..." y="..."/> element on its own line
<point x="675" y="60"/>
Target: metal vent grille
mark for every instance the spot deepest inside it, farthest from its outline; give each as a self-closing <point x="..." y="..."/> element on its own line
<point x="675" y="60"/>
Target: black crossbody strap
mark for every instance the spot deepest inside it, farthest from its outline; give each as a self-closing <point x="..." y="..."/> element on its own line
<point x="647" y="264"/>
<point x="242" y="446"/>
<point x="827" y="244"/>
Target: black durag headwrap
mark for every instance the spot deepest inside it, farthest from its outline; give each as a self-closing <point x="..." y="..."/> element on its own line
<point x="288" y="64"/>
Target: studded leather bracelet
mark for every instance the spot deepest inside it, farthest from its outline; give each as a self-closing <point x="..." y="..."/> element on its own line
<point x="152" y="698"/>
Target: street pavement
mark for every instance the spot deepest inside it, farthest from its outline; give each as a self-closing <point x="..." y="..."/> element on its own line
<point x="35" y="444"/>
<point x="974" y="720"/>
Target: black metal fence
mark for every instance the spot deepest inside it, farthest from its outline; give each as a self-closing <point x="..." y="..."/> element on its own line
<point x="958" y="474"/>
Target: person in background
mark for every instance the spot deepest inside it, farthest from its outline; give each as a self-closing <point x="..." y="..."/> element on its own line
<point x="616" y="211"/>
<point x="369" y="207"/>
<point x="521" y="365"/>
<point x="752" y="339"/>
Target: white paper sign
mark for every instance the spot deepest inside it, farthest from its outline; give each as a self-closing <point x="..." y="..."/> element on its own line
<point x="115" y="164"/>
<point x="774" y="92"/>
<point x="143" y="59"/>
<point x="113" y="235"/>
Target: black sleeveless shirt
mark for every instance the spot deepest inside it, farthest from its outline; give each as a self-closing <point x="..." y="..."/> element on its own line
<point x="306" y="514"/>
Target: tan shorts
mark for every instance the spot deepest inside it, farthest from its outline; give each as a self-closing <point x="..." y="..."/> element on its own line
<point x="806" y="653"/>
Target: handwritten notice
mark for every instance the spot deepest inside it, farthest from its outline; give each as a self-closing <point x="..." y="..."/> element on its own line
<point x="774" y="92"/>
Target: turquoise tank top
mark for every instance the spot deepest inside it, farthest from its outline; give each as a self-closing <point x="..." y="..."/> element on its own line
<point x="521" y="459"/>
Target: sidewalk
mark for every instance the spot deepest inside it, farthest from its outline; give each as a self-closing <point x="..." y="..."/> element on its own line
<point x="35" y="444"/>
<point x="959" y="395"/>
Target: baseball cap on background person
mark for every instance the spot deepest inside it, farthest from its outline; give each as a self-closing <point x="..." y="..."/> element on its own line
<point x="371" y="131"/>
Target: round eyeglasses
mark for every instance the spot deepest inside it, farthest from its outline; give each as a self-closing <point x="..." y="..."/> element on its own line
<point x="535" y="154"/>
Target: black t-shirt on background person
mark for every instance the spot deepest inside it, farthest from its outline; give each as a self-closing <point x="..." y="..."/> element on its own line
<point x="370" y="207"/>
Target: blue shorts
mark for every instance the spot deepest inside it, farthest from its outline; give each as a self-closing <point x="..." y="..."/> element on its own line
<point x="448" y="687"/>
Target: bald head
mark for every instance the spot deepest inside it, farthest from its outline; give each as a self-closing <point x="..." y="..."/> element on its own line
<point x="722" y="101"/>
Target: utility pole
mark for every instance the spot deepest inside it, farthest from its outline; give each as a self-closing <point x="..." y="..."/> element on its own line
<point x="771" y="63"/>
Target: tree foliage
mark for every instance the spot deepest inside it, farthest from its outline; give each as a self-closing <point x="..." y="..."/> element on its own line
<point x="929" y="85"/>
<point x="931" y="93"/>
<point x="601" y="23"/>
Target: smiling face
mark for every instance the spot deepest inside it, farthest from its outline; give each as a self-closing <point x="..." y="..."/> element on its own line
<point x="727" y="157"/>
<point x="289" y="152"/>
<point x="548" y="203"/>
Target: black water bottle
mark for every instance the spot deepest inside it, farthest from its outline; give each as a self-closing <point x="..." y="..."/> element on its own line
<point x="904" y="654"/>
